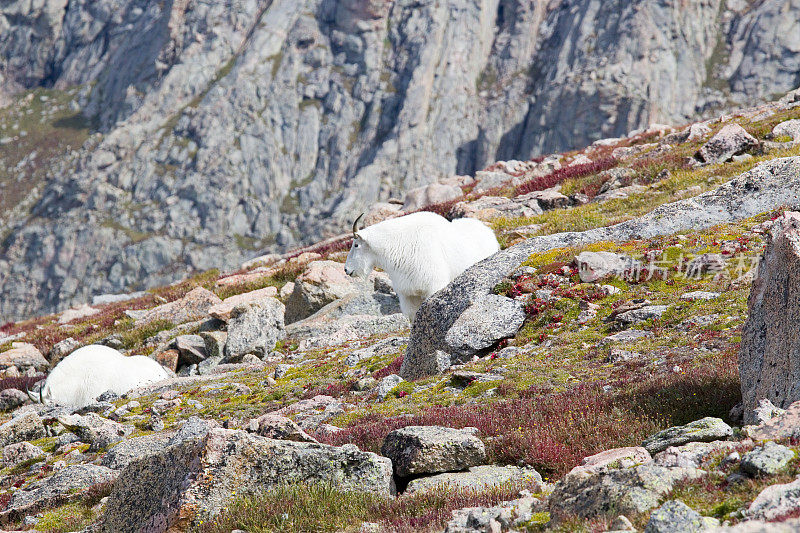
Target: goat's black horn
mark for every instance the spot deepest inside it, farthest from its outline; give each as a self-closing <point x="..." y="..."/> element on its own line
<point x="355" y="223"/>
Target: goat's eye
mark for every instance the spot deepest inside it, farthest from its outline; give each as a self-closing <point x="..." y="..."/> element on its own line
<point x="356" y="245"/>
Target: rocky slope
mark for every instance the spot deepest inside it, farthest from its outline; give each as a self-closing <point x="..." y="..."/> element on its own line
<point x="221" y="129"/>
<point x="621" y="401"/>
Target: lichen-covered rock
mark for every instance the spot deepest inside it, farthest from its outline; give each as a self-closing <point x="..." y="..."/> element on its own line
<point x="729" y="141"/>
<point x="14" y="454"/>
<point x="321" y="283"/>
<point x="119" y="456"/>
<point x="769" y="358"/>
<point x="704" y="430"/>
<point x="613" y="459"/>
<point x="194" y="479"/>
<point x="68" y="484"/>
<point x="594" y="266"/>
<point x="626" y="490"/>
<point x="255" y="328"/>
<point x="12" y="398"/>
<point x="766" y="460"/>
<point x="485" y="322"/>
<point x="386" y="384"/>
<point x="278" y="427"/>
<point x="194" y="305"/>
<point x="95" y="430"/>
<point x="506" y="516"/>
<point x="477" y="478"/>
<point x="222" y="311"/>
<point x="677" y="517"/>
<point x="27" y="426"/>
<point x="23" y="356"/>
<point x="776" y="501"/>
<point x="693" y="454"/>
<point x="432" y="449"/>
<point x="783" y="426"/>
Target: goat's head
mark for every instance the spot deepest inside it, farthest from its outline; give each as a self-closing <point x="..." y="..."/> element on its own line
<point x="359" y="259"/>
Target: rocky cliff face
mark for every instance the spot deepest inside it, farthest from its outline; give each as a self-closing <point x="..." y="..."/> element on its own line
<point x="232" y="126"/>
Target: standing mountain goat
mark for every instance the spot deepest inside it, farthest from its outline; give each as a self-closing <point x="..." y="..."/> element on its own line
<point x="92" y="370"/>
<point x="421" y="253"/>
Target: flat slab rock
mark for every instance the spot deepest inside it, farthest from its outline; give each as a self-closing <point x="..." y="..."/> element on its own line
<point x="194" y="479"/>
<point x="431" y="449"/>
<point x="704" y="430"/>
<point x="67" y="484"/>
<point x="477" y="478"/>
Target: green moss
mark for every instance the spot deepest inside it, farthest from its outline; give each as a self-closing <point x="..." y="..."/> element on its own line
<point x="70" y="517"/>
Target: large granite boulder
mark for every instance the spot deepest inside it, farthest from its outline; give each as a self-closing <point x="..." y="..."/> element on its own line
<point x="704" y="430"/>
<point x="766" y="186"/>
<point x="254" y="327"/>
<point x="27" y="426"/>
<point x="729" y="141"/>
<point x="624" y="490"/>
<point x="432" y="449"/>
<point x="194" y="305"/>
<point x="194" y="479"/>
<point x="319" y="284"/>
<point x="769" y="358"/>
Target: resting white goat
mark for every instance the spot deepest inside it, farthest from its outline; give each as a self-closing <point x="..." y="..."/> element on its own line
<point x="421" y="253"/>
<point x="92" y="370"/>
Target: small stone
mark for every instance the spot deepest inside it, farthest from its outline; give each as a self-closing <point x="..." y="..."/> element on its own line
<point x="699" y="295"/>
<point x="96" y="430"/>
<point x="27" y="426"/>
<point x="621" y="523"/>
<point x="387" y="384"/>
<point x="766" y="411"/>
<point x="214" y="342"/>
<point x="766" y="460"/>
<point x="192" y="349"/>
<point x="365" y="384"/>
<point x="278" y="427"/>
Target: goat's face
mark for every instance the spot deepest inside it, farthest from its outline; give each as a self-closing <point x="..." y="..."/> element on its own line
<point x="359" y="259"/>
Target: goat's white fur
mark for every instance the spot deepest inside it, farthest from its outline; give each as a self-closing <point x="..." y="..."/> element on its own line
<point x="421" y="253"/>
<point x="92" y="370"/>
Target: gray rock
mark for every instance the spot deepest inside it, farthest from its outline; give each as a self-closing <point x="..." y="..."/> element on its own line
<point x="766" y="460"/>
<point x="12" y="398"/>
<point x="380" y="348"/>
<point x="320" y="284"/>
<point x="62" y="349"/>
<point x="477" y="478"/>
<point x="121" y="455"/>
<point x="704" y="430"/>
<point x="594" y="266"/>
<point x="27" y="426"/>
<point x="758" y="526"/>
<point x="431" y="449"/>
<point x="365" y="384"/>
<point x="13" y="454"/>
<point x="648" y="312"/>
<point x="502" y="517"/>
<point x="675" y="517"/>
<point x="23" y="356"/>
<point x="278" y="427"/>
<point x="214" y="342"/>
<point x="489" y="319"/>
<point x="731" y="140"/>
<point x="325" y="332"/>
<point x="775" y="501"/>
<point x="68" y="484"/>
<point x="254" y="328"/>
<point x="766" y="186"/>
<point x="96" y="430"/>
<point x="766" y="411"/>
<point x="435" y="193"/>
<point x="789" y="128"/>
<point x="191" y="349"/>
<point x="769" y="358"/>
<point x="194" y="305"/>
<point x="158" y="489"/>
<point x="693" y="454"/>
<point x="386" y="385"/>
<point x="626" y="490"/>
<point x="700" y="295"/>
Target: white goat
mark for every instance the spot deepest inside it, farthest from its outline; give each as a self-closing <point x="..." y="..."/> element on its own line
<point x="92" y="370"/>
<point x="421" y="253"/>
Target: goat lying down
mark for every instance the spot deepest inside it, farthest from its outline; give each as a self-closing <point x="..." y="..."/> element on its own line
<point x="92" y="370"/>
<point x="421" y="253"/>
